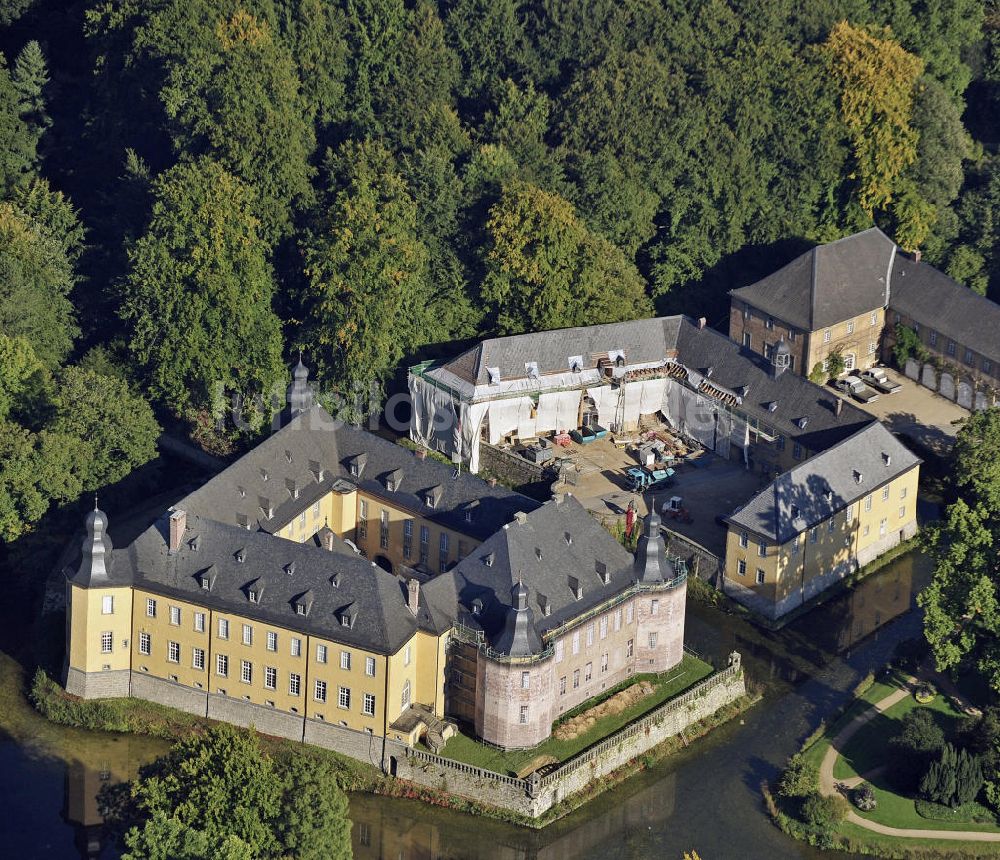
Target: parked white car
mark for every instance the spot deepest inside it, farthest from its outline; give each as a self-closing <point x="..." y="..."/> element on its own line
<point x="856" y="388"/>
<point x="877" y="379"/>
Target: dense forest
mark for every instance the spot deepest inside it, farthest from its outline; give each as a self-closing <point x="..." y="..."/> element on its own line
<point x="191" y="191"/>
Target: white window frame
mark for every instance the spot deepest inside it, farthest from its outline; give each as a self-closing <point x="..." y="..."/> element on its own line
<point x="173" y="652"/>
<point x="294" y="684"/>
<point x="344" y="698"/>
<point x="150" y="607"/>
<point x="345" y="660"/>
<point x="526" y="680"/>
<point x="319" y="690"/>
<point x="198" y="659"/>
<point x="368" y="705"/>
<point x="270" y="678"/>
<point x="370" y="667"/>
<point x="247" y="634"/>
<point x="296" y="647"/>
<point x="108" y="604"/>
<point x="272" y="640"/>
<point x="223" y="628"/>
<point x="145" y="643"/>
<point x="321" y="653"/>
<point x="107" y="642"/>
<point x="199" y="622"/>
<point x="175" y="615"/>
<point x="222" y="665"/>
<point x="246" y="671"/>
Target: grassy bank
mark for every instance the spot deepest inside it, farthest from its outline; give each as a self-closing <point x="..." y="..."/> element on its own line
<point x="465" y="748"/>
<point x="147" y="718"/>
<point x="865" y="754"/>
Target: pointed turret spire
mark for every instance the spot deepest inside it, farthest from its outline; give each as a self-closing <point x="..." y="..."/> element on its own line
<point x="95" y="564"/>
<point x="519" y="637"/>
<point x="300" y="394"/>
<point x="651" y="562"/>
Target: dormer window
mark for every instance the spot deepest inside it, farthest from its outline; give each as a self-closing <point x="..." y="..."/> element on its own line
<point x="576" y="363"/>
<point x="887" y="459"/>
<point x="263" y="474"/>
<point x="254" y="595"/>
<point x="347" y="617"/>
<point x="290" y="568"/>
<point x="356" y="465"/>
<point x="303" y="603"/>
<point x="531" y="369"/>
<point x="477" y="606"/>
<point x="802" y="422"/>
<point x="266" y="508"/>
<point x="545" y="604"/>
<point x="488" y="559"/>
<point x="393" y="480"/>
<point x="242" y="521"/>
<point x="538" y="553"/>
<point x="858" y="477"/>
<point x="205" y="579"/>
<point x="240" y="556"/>
<point x="335" y="580"/>
<point x="568" y="538"/>
<point x="194" y="543"/>
<point x="602" y="571"/>
<point x="772" y="406"/>
<point x="493" y="373"/>
<point x="288" y="455"/>
<point x="576" y="587"/>
<point x="242" y="491"/>
<point x="293" y="488"/>
<point x="317" y="470"/>
<point x="432" y="496"/>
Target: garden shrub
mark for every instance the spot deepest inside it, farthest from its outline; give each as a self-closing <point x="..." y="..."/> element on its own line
<point x="800" y="778"/>
<point x="824" y="813"/>
<point x="864" y="797"/>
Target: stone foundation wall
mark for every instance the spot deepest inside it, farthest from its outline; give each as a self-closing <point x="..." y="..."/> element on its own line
<point x="507" y="466"/>
<point x="170" y="693"/>
<point x="98" y="685"/>
<point x="534" y="796"/>
<point x="266" y="720"/>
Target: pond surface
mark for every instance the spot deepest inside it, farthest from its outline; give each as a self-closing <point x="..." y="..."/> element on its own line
<point x="706" y="798"/>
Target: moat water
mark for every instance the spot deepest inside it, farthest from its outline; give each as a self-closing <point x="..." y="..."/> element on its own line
<point x="706" y="798"/>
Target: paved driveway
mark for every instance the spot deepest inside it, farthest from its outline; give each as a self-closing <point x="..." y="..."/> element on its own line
<point x="918" y="412"/>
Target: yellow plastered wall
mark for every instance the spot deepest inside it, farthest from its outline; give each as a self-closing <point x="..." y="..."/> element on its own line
<point x="162" y="631"/>
<point x="901" y="496"/>
<point x="770" y="564"/>
<point x="339" y="510"/>
<point x="355" y="679"/>
<point x="828" y="546"/>
<point x="402" y="670"/>
<point x="430" y="654"/>
<point x="459" y="544"/>
<point x="88" y="622"/>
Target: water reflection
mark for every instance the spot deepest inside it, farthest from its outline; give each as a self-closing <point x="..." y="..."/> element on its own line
<point x="677" y="806"/>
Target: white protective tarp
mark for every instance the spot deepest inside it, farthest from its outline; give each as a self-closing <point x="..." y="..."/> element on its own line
<point x="605" y="399"/>
<point x="432" y="416"/>
<point x="653" y="391"/>
<point x="547" y="417"/>
<point x="633" y="400"/>
<point x="472" y="422"/>
<point x="508" y="415"/>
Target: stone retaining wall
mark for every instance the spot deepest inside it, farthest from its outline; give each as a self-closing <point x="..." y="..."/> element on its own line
<point x="508" y="466"/>
<point x="530" y="797"/>
<point x="534" y="796"/>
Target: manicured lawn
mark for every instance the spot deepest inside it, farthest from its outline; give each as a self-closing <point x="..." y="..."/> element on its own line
<point x="868" y="748"/>
<point x="464" y="748"/>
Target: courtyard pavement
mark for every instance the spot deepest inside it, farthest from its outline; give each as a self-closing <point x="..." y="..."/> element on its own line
<point x="917" y="412"/>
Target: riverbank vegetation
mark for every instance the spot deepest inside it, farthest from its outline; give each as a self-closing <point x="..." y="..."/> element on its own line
<point x="222" y="795"/>
<point x="192" y="190"/>
<point x="910" y="765"/>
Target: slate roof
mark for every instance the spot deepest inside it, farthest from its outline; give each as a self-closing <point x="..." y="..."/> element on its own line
<point x="535" y="552"/>
<point x="921" y="292"/>
<point x="810" y="492"/>
<point x="644" y="340"/>
<point x="290" y="457"/>
<point x="376" y="599"/>
<point x="828" y="284"/>
<point x="680" y="338"/>
<point x="97" y="558"/>
<point x="734" y="367"/>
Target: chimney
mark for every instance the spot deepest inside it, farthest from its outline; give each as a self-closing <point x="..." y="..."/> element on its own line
<point x="178" y="524"/>
<point x="492" y="482"/>
<point x="701" y="322"/>
<point x="839" y="407"/>
<point x="916" y="256"/>
<point x="328" y="540"/>
<point x="421" y="453"/>
<point x="521" y="517"/>
<point x="413" y="595"/>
